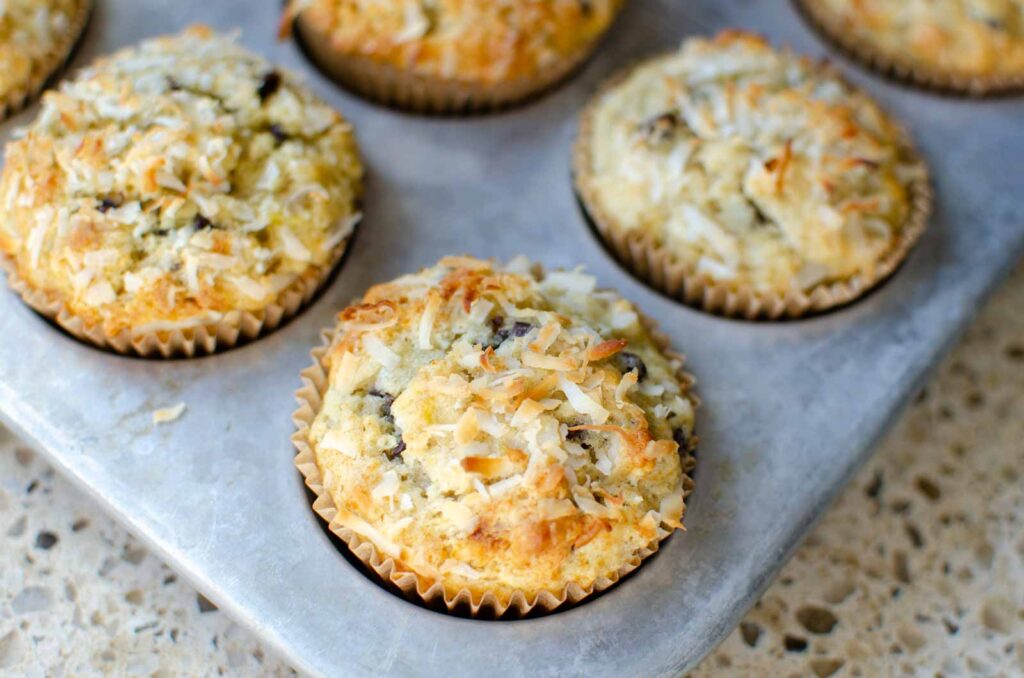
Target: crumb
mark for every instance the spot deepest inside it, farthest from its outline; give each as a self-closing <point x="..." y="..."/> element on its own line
<point x="168" y="414"/>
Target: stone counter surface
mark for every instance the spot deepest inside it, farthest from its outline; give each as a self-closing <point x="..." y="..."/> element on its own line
<point x="917" y="570"/>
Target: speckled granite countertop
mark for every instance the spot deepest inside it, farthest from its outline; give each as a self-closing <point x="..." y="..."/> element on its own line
<point x="918" y="569"/>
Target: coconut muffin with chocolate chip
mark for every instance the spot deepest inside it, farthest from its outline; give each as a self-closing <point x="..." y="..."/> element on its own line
<point x="748" y="179"/>
<point x="36" y="38"/>
<point x="975" y="45"/>
<point x="451" y="55"/>
<point x="181" y="185"/>
<point x="499" y="432"/>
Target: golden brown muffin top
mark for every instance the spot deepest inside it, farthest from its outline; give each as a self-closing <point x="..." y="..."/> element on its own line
<point x="752" y="166"/>
<point x="482" y="41"/>
<point x="501" y="430"/>
<point x="957" y="37"/>
<point x="174" y="182"/>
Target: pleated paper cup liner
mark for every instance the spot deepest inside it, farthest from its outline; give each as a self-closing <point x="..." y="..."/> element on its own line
<point x="906" y="70"/>
<point x="397" y="88"/>
<point x="218" y="334"/>
<point x="434" y="593"/>
<point x="52" y="63"/>
<point x="655" y="263"/>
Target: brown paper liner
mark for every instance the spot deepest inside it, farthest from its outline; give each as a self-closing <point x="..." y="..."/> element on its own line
<point x="415" y="586"/>
<point x="17" y="98"/>
<point x="232" y="328"/>
<point x="655" y="263"/>
<point x="397" y="88"/>
<point x="902" y="69"/>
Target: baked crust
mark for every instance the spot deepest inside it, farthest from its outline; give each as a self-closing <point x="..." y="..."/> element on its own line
<point x="499" y="432"/>
<point x="174" y="183"/>
<point x="484" y="42"/>
<point x="751" y="170"/>
<point x="36" y="38"/>
<point x="975" y="45"/>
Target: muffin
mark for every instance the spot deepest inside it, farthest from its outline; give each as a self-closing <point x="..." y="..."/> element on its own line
<point x="36" y="38"/>
<point x="970" y="46"/>
<point x="496" y="437"/>
<point x="748" y="181"/>
<point x="450" y="56"/>
<point x="177" y="197"/>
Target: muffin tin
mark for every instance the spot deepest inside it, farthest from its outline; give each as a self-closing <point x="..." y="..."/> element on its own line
<point x="790" y="409"/>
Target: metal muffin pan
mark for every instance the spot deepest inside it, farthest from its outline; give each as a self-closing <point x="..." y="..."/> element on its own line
<point x="790" y="409"/>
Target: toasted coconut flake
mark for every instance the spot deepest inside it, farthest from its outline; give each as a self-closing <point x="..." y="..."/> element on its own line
<point x="479" y="311"/>
<point x="335" y="440"/>
<point x="570" y="281"/>
<point x="460" y="568"/>
<point x="487" y="467"/>
<point x="549" y="362"/>
<point x="627" y="382"/>
<point x="381" y="353"/>
<point x="388" y="485"/>
<point x="469" y="263"/>
<point x="165" y="415"/>
<point x="581" y="402"/>
<point x="590" y="506"/>
<point x="247" y="286"/>
<point x="427" y="320"/>
<point x="486" y="358"/>
<point x="546" y="337"/>
<point x="467" y="427"/>
<point x="366" y="317"/>
<point x="99" y="293"/>
<point x="553" y="509"/>
<point x="528" y="411"/>
<point x="346" y="376"/>
<point x="590" y="532"/>
<point x="606" y="349"/>
<point x="505" y="486"/>
<point x="360" y="526"/>
<point x="459" y="516"/>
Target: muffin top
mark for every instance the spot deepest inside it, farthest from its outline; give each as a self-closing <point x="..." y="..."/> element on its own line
<point x="35" y="35"/>
<point x="502" y="430"/>
<point x="176" y="181"/>
<point x="960" y="37"/>
<point x="752" y="167"/>
<point x="481" y="41"/>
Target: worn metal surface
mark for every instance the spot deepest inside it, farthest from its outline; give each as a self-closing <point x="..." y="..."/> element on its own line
<point x="790" y="409"/>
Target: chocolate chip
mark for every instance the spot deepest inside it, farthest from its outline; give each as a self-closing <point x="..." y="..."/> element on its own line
<point x="396" y="450"/>
<point x="385" y="406"/>
<point x="501" y="333"/>
<point x="201" y="222"/>
<point x="271" y="83"/>
<point x="279" y="134"/>
<point x="627" y="362"/>
<point x="45" y="540"/>
<point x="521" y="329"/>
<point x="106" y="205"/>
<point x="660" y="128"/>
<point x="173" y="84"/>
